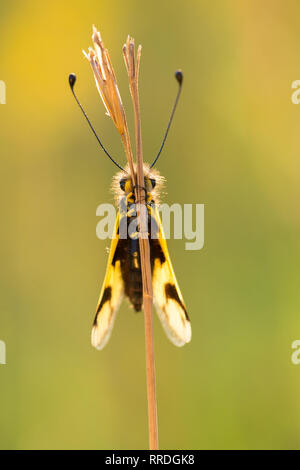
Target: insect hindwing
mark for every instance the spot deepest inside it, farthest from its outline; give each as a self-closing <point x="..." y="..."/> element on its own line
<point x="110" y="297"/>
<point x="168" y="299"/>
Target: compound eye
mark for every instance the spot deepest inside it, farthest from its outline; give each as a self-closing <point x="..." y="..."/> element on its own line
<point x="122" y="184"/>
<point x="153" y="182"/>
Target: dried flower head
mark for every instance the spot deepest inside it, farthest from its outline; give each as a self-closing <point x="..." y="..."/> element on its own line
<point x="106" y="82"/>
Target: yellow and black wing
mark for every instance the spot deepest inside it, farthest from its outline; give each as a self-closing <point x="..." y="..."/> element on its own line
<point x="167" y="297"/>
<point x="111" y="296"/>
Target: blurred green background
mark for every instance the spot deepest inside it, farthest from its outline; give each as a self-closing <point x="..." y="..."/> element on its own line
<point x="234" y="146"/>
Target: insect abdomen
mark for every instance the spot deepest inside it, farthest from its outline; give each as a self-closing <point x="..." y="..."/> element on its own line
<point x="135" y="290"/>
<point x="135" y="286"/>
<point x="128" y="252"/>
<point x="129" y="255"/>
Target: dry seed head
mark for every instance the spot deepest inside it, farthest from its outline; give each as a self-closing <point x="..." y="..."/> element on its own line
<point x="106" y="81"/>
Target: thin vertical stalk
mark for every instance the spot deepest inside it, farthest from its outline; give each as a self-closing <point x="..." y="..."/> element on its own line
<point x="133" y="70"/>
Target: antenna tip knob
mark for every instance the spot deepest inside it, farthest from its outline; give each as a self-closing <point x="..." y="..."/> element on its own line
<point x="72" y="80"/>
<point x="179" y="76"/>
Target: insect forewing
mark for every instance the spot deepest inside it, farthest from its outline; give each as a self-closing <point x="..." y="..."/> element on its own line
<point x="168" y="299"/>
<point x="110" y="297"/>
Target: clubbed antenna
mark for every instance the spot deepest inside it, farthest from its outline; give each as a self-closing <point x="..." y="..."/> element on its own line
<point x="179" y="78"/>
<point x="72" y="81"/>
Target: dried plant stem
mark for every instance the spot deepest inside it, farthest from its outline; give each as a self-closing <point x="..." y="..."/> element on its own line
<point x="109" y="92"/>
<point x="133" y="72"/>
<point x="128" y="151"/>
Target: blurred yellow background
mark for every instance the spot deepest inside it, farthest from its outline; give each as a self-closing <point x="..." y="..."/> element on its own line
<point x="234" y="146"/>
